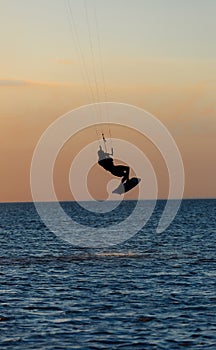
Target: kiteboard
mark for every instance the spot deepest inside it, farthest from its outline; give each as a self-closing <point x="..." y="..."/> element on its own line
<point x="127" y="185"/>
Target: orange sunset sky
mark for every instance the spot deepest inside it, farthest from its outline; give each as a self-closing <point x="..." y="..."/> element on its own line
<point x="157" y="55"/>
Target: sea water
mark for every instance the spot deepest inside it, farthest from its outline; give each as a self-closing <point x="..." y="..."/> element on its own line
<point x="153" y="291"/>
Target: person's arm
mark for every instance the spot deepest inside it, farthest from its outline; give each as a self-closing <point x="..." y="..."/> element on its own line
<point x="111" y="154"/>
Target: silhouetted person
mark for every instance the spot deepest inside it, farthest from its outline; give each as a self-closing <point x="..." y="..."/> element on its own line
<point x="107" y="163"/>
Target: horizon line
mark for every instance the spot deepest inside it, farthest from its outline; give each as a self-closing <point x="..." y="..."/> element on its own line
<point x="102" y="200"/>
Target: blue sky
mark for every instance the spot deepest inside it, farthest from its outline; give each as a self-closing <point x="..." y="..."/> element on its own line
<point x="38" y="31"/>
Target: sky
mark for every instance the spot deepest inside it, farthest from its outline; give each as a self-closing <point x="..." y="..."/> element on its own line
<point x="159" y="55"/>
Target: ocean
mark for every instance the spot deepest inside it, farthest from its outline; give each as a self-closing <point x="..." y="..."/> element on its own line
<point x="152" y="291"/>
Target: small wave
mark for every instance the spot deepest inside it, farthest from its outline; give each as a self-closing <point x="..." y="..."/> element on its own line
<point x="118" y="254"/>
<point x="4" y="318"/>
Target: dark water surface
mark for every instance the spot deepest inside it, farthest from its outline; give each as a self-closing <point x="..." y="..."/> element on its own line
<point x="155" y="291"/>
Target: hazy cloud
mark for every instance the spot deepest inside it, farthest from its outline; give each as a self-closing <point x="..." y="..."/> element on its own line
<point x="11" y="82"/>
<point x="17" y="82"/>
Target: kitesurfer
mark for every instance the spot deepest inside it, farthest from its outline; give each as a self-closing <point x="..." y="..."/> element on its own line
<point x="107" y="163"/>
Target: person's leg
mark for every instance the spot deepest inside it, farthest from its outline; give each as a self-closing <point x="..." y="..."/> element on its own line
<point x="126" y="173"/>
<point x="121" y="171"/>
